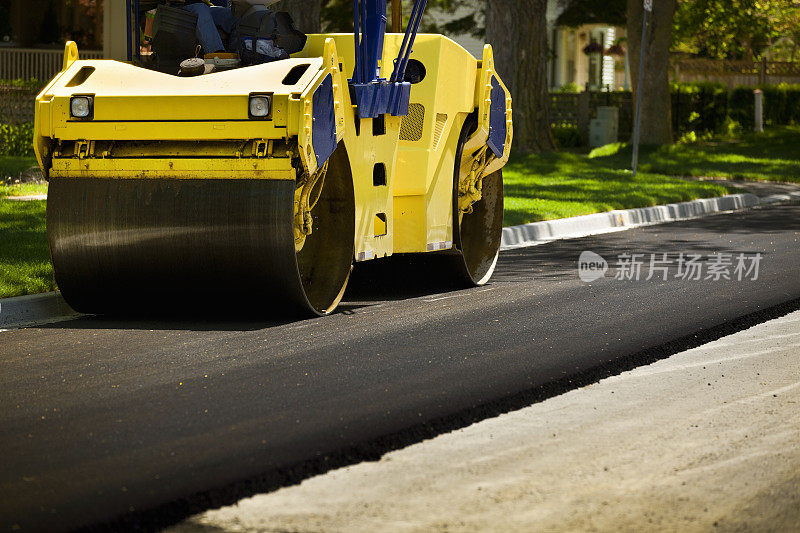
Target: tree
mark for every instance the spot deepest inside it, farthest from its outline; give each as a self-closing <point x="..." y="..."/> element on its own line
<point x="517" y="30"/>
<point x="736" y="29"/>
<point x="656" y="122"/>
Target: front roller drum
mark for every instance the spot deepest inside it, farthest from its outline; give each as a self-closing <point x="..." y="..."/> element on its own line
<point x="477" y="235"/>
<point x="208" y="245"/>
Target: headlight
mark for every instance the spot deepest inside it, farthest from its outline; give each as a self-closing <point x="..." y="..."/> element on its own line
<point x="260" y="106"/>
<point x="81" y="106"/>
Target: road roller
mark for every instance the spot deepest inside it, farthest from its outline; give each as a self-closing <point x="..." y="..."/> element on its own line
<point x="262" y="186"/>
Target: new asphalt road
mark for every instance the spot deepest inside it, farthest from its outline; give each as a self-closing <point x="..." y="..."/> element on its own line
<point x="144" y="421"/>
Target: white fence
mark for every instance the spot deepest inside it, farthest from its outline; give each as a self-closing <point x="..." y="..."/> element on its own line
<point x="735" y="72"/>
<point x="27" y="63"/>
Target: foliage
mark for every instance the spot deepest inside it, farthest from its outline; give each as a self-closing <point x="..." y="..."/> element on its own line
<point x="566" y="135"/>
<point x="16" y="139"/>
<point x="698" y="107"/>
<point x="780" y="105"/>
<point x="731" y="129"/>
<point x="32" y="84"/>
<point x="735" y="29"/>
<point x="569" y="88"/>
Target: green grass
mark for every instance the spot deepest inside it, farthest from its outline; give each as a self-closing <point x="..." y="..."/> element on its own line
<point x="559" y="185"/>
<point x="564" y="184"/>
<point x="24" y="257"/>
<point x="770" y="156"/>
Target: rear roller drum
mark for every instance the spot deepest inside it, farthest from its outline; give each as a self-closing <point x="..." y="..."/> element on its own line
<point x="208" y="245"/>
<point x="477" y="235"/>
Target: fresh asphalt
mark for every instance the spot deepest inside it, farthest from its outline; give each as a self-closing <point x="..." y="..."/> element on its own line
<point x="144" y="421"/>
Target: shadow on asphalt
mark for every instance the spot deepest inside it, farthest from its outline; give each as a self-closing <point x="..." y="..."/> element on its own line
<point x="187" y="322"/>
<point x="406" y="277"/>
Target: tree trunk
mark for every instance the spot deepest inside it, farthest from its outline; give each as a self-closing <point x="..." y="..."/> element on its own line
<point x="656" y="120"/>
<point x="517" y="31"/>
<point x="305" y="13"/>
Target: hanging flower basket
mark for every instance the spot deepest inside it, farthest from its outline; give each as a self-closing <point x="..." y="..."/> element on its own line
<point x="615" y="50"/>
<point x="593" y="48"/>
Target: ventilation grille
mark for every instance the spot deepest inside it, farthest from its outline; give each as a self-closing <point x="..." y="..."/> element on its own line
<point x="411" y="127"/>
<point x="441" y="120"/>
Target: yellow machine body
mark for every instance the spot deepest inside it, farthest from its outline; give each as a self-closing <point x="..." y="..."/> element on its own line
<point x="147" y="125"/>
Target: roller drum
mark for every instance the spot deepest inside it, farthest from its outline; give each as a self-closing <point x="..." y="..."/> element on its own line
<point x="477" y="235"/>
<point x="131" y="245"/>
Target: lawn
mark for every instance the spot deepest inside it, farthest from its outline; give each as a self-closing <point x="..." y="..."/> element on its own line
<point x="24" y="257"/>
<point x="564" y="184"/>
<point x="770" y="156"/>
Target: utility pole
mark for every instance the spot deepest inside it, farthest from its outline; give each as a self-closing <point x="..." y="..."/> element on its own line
<point x="648" y="8"/>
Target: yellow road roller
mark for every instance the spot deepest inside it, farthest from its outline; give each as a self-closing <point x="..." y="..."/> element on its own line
<point x="266" y="183"/>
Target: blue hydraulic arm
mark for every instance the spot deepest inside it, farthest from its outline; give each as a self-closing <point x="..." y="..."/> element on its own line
<point x="369" y="21"/>
<point x="401" y="62"/>
<point x="133" y="20"/>
<point x="374" y="95"/>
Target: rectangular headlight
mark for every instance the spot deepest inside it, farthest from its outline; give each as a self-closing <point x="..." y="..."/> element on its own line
<point x="81" y="107"/>
<point x="260" y="106"/>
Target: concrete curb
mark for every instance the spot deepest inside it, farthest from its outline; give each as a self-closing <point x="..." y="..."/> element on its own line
<point x="583" y="226"/>
<point x="23" y="311"/>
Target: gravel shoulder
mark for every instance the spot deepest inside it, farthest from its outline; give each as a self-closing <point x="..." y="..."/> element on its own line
<point x="706" y="439"/>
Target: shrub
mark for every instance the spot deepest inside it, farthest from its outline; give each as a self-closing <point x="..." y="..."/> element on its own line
<point x="566" y="135"/>
<point x="16" y="139"/>
<point x="731" y="128"/>
<point x="32" y="83"/>
<point x="741" y="106"/>
<point x="781" y="105"/>
<point x="569" y="88"/>
<point x="699" y="107"/>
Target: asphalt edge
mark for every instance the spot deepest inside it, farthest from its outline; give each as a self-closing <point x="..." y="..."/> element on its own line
<point x="23" y="311"/>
